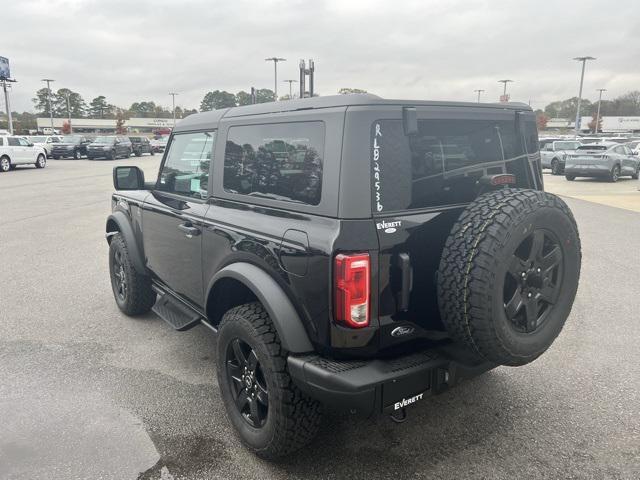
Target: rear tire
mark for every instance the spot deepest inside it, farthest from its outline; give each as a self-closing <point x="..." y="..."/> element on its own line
<point x="636" y="175"/>
<point x="571" y="178"/>
<point x="131" y="290"/>
<point x="77" y="155"/>
<point x="41" y="161"/>
<point x="290" y="419"/>
<point x="509" y="274"/>
<point x="5" y="164"/>
<point x="615" y="174"/>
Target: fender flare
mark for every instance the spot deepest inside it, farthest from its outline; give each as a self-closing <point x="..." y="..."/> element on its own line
<point x="125" y="229"/>
<point x="291" y="331"/>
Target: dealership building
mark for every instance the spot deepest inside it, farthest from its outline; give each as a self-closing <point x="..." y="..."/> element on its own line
<point x="106" y="125"/>
<point x="609" y="124"/>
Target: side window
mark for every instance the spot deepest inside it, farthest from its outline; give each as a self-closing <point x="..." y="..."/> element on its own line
<point x="23" y="142"/>
<point x="13" y="142"/>
<point x="279" y="161"/>
<point x="1" y="141"/>
<point x="186" y="168"/>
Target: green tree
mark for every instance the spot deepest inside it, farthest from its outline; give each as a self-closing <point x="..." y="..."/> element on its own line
<point x="264" y="95"/>
<point x="567" y="108"/>
<point x="41" y="101"/>
<point x="217" y="99"/>
<point x="77" y="105"/>
<point x="99" y="108"/>
<point x="143" y="109"/>
<point x="243" y="98"/>
<point x="346" y="91"/>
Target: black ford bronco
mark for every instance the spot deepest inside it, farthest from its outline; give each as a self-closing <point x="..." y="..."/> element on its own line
<point x="350" y="252"/>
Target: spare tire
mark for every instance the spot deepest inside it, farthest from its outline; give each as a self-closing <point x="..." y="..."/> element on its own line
<point x="509" y="274"/>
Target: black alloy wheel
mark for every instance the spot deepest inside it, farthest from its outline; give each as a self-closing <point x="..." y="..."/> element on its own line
<point x="76" y="154"/>
<point x="247" y="383"/>
<point x="555" y="167"/>
<point x="533" y="280"/>
<point x="119" y="277"/>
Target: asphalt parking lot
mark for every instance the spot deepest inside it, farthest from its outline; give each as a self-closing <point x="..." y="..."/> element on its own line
<point x="86" y="392"/>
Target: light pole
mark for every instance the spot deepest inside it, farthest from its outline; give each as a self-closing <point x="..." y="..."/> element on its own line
<point x="275" y="61"/>
<point x="479" y="91"/>
<point x="584" y="62"/>
<point x="7" y="103"/>
<point x="69" y="113"/>
<point x="598" y="114"/>
<point x="504" y="92"/>
<point x="290" y="88"/>
<point x="173" y="97"/>
<point x="49" y="80"/>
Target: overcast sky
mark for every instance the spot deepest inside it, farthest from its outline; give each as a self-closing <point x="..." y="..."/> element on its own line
<point x="140" y="50"/>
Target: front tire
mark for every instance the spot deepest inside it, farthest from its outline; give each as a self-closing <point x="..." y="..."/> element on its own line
<point x="636" y="175"/>
<point x="131" y="290"/>
<point x="555" y="167"/>
<point x="77" y="155"/>
<point x="270" y="414"/>
<point x="571" y="178"/>
<point x="41" y="162"/>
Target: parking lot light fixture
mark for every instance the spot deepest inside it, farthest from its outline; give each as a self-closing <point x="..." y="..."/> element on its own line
<point x="584" y="62"/>
<point x="598" y="114"/>
<point x="290" y="88"/>
<point x="48" y="81"/>
<point x="504" y="91"/>
<point x="275" y="61"/>
<point x="173" y="97"/>
<point x="479" y="91"/>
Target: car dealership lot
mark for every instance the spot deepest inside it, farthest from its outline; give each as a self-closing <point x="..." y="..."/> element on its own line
<point x="86" y="392"/>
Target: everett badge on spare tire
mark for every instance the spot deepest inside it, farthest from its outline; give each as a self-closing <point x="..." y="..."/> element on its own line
<point x="509" y="274"/>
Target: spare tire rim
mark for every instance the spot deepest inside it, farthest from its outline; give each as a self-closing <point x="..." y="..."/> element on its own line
<point x="533" y="281"/>
<point x="247" y="382"/>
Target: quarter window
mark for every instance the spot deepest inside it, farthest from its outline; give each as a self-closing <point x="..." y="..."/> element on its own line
<point x="186" y="168"/>
<point x="278" y="161"/>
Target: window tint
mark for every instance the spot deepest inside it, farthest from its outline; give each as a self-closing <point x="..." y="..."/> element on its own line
<point x="1" y="141"/>
<point x="13" y="142"/>
<point x="280" y="161"/>
<point x="442" y="162"/>
<point x="186" y="168"/>
<point x="567" y="145"/>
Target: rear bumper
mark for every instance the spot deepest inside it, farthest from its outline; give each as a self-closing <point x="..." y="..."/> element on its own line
<point x="380" y="385"/>
<point x="587" y="170"/>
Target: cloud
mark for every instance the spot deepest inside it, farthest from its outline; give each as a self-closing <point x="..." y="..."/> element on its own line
<point x="131" y="51"/>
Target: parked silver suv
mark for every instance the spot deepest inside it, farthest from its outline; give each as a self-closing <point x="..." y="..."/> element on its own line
<point x="553" y="154"/>
<point x="610" y="160"/>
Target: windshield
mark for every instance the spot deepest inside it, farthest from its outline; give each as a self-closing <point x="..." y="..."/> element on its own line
<point x="38" y="139"/>
<point x="71" y="139"/>
<point x="104" y="139"/>
<point x="566" y="145"/>
<point x="592" y="147"/>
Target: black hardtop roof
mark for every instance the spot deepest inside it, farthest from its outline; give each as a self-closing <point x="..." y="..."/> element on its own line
<point x="204" y="119"/>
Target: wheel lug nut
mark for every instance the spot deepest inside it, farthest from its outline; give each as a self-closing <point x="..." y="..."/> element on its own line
<point x="524" y="274"/>
<point x="538" y="270"/>
<point x="529" y="295"/>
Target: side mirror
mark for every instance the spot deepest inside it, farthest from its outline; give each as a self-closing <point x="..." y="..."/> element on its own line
<point x="633" y="152"/>
<point x="128" y="178"/>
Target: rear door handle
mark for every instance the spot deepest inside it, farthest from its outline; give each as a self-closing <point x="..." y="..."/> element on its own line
<point x="189" y="230"/>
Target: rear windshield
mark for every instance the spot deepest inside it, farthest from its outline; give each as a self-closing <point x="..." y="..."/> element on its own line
<point x="441" y="164"/>
<point x="567" y="145"/>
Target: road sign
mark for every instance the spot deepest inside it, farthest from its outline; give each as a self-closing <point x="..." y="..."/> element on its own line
<point x="504" y="98"/>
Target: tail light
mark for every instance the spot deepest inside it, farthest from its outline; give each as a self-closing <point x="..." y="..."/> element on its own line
<point x="351" y="289"/>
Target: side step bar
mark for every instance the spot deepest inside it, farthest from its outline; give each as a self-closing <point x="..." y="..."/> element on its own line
<point x="174" y="312"/>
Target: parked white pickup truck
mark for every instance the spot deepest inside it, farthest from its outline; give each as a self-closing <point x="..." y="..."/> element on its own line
<point x="16" y="151"/>
<point x="553" y="154"/>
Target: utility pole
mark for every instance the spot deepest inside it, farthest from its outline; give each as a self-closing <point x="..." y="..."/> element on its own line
<point x="173" y="97"/>
<point x="69" y="113"/>
<point x="598" y="114"/>
<point x="584" y="62"/>
<point x="290" y="88"/>
<point x="275" y="61"/>
<point x="504" y="97"/>
<point x="7" y="103"/>
<point x="49" y="80"/>
<point x="479" y="91"/>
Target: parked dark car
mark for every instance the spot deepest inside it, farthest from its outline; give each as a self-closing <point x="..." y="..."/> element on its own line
<point x="141" y="145"/>
<point x="109" y="147"/>
<point x="349" y="251"/>
<point x="71" y="146"/>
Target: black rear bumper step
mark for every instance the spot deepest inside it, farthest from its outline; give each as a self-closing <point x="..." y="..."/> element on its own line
<point x="379" y="385"/>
